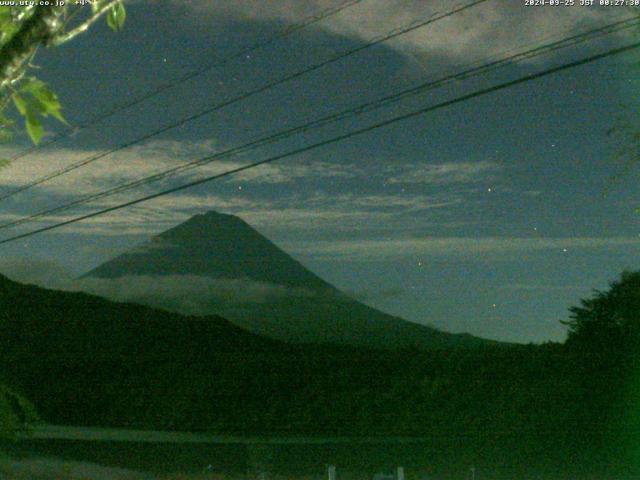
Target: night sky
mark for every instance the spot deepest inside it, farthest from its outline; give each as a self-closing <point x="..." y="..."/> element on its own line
<point x="491" y="216"/>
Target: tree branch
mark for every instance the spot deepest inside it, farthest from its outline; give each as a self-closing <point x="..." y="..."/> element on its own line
<point x="23" y="13"/>
<point x="37" y="29"/>
<point x="84" y="26"/>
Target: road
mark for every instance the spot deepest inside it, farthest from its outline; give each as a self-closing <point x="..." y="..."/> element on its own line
<point x="96" y="434"/>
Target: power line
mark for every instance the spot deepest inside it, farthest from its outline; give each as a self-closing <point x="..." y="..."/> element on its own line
<point x="306" y="22"/>
<point x="406" y="116"/>
<point x="393" y="34"/>
<point x="354" y="111"/>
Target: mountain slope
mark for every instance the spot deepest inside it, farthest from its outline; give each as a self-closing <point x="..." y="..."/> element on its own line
<point x="213" y="245"/>
<point x="306" y="309"/>
<point x="83" y="360"/>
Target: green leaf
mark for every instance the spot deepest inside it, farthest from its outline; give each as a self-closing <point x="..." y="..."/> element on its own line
<point x="8" y="26"/>
<point x="116" y="17"/>
<point x="96" y="5"/>
<point x="20" y="104"/>
<point x="33" y="126"/>
<point x="33" y="101"/>
<point x="5" y="17"/>
<point x="30" y="112"/>
<point x="58" y="116"/>
<point x="46" y="101"/>
<point x="5" y="20"/>
<point x="7" y="31"/>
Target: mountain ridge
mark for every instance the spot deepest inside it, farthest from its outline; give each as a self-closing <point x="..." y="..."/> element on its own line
<point x="85" y="360"/>
<point x="224" y="247"/>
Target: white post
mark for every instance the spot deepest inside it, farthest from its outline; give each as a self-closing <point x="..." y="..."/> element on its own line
<point x="331" y="472"/>
<point x="400" y="473"/>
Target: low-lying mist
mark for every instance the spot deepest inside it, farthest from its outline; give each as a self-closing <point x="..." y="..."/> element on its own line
<point x="185" y="294"/>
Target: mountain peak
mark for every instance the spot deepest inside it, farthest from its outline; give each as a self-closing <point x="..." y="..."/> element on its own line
<point x="213" y="215"/>
<point x="210" y="221"/>
<point x="214" y="245"/>
<point x="260" y="287"/>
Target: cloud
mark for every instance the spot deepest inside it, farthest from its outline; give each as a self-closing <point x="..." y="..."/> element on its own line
<point x="382" y="250"/>
<point x="131" y="164"/>
<point x="187" y="294"/>
<point x="149" y="159"/>
<point x="290" y="172"/>
<point x="445" y="173"/>
<point x="350" y="202"/>
<point x="35" y="271"/>
<point x="316" y="209"/>
<point x="154" y="157"/>
<point x="481" y="31"/>
<point x="292" y="208"/>
<point x="536" y="287"/>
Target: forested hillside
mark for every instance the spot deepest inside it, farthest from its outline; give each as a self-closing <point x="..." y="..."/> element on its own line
<point x="84" y="360"/>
